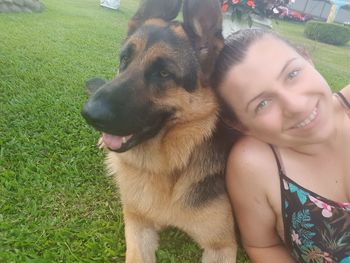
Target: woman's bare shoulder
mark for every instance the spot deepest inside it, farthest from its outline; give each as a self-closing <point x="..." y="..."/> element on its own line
<point x="250" y="160"/>
<point x="250" y="151"/>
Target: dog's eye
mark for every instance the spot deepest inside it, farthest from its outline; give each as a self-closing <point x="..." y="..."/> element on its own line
<point x="164" y="73"/>
<point x="123" y="62"/>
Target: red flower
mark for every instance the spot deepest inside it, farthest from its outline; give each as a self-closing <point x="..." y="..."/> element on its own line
<point x="235" y="1"/>
<point x="224" y="6"/>
<point x="251" y="3"/>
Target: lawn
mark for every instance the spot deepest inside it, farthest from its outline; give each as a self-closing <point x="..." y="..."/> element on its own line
<point x="56" y="204"/>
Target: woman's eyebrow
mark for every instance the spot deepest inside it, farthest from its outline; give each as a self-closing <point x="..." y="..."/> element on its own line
<point x="285" y="66"/>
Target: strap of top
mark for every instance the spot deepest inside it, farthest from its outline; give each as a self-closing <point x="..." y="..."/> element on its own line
<point x="344" y="102"/>
<point x="282" y="175"/>
<point x="281" y="170"/>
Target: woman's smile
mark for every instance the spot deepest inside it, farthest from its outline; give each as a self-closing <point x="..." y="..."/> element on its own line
<point x="309" y="121"/>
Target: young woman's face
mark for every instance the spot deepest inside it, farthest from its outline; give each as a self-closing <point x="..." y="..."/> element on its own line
<point x="278" y="95"/>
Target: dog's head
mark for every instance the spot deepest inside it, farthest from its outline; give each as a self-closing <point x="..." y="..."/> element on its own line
<point x="163" y="73"/>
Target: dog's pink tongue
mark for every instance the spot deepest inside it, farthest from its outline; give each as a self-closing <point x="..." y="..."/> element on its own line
<point x="112" y="141"/>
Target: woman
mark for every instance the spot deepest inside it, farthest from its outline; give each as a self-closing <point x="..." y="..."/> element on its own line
<point x="289" y="176"/>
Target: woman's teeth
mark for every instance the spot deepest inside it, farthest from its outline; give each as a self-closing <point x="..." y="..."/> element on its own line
<point x="309" y="119"/>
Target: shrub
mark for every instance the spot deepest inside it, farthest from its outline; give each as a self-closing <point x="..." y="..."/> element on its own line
<point x="329" y="33"/>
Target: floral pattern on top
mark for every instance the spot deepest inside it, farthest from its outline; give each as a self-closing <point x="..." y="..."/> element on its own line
<point x="317" y="230"/>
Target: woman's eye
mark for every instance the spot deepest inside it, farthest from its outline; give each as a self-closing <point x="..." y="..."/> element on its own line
<point x="262" y="105"/>
<point x="293" y="74"/>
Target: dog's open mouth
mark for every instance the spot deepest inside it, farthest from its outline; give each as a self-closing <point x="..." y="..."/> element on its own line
<point x="114" y="142"/>
<point x="121" y="143"/>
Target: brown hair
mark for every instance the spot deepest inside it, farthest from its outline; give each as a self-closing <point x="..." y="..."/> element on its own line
<point x="234" y="51"/>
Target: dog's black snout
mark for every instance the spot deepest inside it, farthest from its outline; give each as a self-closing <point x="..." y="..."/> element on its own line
<point x="96" y="113"/>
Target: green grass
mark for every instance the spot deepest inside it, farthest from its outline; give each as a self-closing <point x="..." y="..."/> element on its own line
<point x="56" y="204"/>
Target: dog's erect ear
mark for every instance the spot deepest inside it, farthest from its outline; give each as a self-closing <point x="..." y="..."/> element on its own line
<point x="203" y="23"/>
<point x="92" y="85"/>
<point x="163" y="9"/>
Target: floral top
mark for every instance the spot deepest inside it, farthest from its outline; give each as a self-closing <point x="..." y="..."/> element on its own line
<point x="316" y="229"/>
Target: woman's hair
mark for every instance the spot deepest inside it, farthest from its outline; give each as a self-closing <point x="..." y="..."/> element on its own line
<point x="233" y="53"/>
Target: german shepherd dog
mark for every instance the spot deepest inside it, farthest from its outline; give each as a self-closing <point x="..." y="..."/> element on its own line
<point x="159" y="121"/>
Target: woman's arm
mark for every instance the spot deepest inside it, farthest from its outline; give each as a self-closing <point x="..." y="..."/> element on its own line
<point x="251" y="174"/>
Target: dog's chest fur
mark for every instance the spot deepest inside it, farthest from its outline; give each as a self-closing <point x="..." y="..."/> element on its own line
<point x="169" y="196"/>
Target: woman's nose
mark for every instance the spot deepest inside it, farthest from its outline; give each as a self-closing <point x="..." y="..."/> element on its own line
<point x="292" y="103"/>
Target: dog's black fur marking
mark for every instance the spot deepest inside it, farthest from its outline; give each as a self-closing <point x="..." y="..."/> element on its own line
<point x="160" y="34"/>
<point x="154" y="78"/>
<point x="206" y="190"/>
<point x="186" y="78"/>
<point x="125" y="56"/>
<point x="215" y="151"/>
<point x="190" y="79"/>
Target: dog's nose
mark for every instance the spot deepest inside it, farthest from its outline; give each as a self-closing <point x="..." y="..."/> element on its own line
<point x="96" y="113"/>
